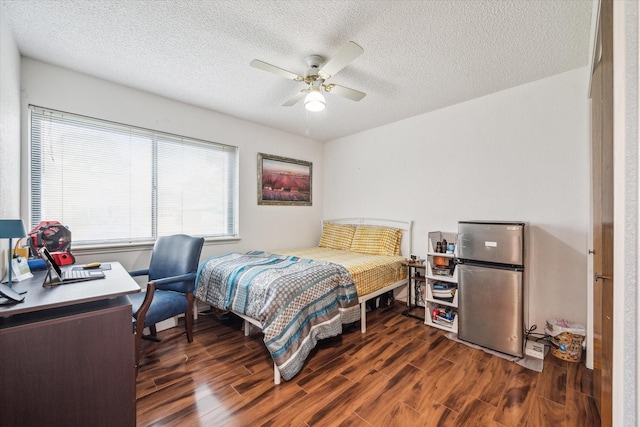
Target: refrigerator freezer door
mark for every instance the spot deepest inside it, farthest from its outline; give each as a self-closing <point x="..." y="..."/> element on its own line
<point x="501" y="243"/>
<point x="491" y="308"/>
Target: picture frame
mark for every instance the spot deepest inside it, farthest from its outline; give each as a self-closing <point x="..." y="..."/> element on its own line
<point x="284" y="181"/>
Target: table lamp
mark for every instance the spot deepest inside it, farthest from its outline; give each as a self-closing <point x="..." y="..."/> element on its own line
<point x="10" y="228"/>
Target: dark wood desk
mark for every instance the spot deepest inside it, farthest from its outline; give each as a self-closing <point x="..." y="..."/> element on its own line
<point x="67" y="354"/>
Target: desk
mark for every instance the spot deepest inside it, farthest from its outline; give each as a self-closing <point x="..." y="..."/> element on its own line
<point x="67" y="353"/>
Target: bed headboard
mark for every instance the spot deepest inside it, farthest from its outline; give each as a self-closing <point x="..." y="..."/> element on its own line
<point x="406" y="246"/>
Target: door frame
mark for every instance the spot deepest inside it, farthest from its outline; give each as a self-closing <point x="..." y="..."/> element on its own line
<point x="626" y="332"/>
<point x="626" y="179"/>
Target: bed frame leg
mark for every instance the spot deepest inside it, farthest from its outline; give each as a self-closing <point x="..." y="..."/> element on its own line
<point x="276" y="374"/>
<point x="247" y="328"/>
<point x="363" y="317"/>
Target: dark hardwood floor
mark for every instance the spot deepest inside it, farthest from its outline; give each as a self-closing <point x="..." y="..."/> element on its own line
<point x="400" y="373"/>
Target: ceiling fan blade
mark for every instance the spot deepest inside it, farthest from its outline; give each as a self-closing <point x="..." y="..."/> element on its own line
<point x="295" y="98"/>
<point x="347" y="54"/>
<point x="256" y="63"/>
<point x="354" y="95"/>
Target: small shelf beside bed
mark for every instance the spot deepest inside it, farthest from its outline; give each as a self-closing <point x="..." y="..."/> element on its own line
<point x="442" y="279"/>
<point x="417" y="287"/>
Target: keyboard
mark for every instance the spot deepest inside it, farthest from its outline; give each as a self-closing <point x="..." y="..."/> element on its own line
<point x="81" y="274"/>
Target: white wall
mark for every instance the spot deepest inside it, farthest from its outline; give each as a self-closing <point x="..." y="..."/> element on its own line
<point x="9" y="131"/>
<point x="520" y="154"/>
<point x="261" y="227"/>
<point x="10" y="123"/>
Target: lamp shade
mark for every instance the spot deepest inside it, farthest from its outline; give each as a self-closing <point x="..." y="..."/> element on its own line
<point x="10" y="228"/>
<point x="314" y="101"/>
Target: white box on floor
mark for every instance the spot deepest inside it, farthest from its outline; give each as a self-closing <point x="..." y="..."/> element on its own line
<point x="534" y="349"/>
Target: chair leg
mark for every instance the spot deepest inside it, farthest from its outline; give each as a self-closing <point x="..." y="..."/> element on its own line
<point x="188" y="317"/>
<point x="153" y="334"/>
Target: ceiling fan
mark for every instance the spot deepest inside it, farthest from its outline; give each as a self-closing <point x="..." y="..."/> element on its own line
<point x="316" y="76"/>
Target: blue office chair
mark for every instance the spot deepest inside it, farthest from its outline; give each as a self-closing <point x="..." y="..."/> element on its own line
<point x="172" y="273"/>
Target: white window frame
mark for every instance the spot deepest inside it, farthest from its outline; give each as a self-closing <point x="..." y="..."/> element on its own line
<point x="189" y="149"/>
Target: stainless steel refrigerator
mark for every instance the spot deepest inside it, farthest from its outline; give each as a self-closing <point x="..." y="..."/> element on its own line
<point x="491" y="285"/>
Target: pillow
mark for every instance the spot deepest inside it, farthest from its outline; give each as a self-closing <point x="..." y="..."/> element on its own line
<point x="337" y="236"/>
<point x="376" y="240"/>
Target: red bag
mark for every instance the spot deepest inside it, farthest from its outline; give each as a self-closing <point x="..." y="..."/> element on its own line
<point x="56" y="238"/>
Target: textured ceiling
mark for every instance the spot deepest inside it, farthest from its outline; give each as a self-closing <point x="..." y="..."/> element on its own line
<point x="419" y="56"/>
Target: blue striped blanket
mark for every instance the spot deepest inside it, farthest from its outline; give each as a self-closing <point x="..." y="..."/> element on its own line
<point x="297" y="301"/>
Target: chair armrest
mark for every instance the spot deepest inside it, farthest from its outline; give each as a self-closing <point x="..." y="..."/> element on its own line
<point x="139" y="273"/>
<point x="173" y="279"/>
<point x="141" y="314"/>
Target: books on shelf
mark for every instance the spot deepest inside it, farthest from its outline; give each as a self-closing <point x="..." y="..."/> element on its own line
<point x="444" y="285"/>
<point x="444" y="291"/>
<point x="443" y="323"/>
<point x="443" y="316"/>
<point x="448" y="292"/>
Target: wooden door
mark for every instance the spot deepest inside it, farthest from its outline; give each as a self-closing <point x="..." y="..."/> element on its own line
<point x="602" y="212"/>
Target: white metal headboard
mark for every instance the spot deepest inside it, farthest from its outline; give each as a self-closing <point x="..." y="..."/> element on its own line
<point x="406" y="246"/>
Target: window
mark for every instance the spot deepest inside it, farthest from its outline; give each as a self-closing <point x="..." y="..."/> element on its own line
<point x="113" y="183"/>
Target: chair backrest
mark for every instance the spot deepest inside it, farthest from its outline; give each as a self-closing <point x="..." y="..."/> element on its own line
<point x="173" y="256"/>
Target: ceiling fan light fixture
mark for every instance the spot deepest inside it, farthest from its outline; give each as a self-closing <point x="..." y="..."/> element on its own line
<point x="314" y="101"/>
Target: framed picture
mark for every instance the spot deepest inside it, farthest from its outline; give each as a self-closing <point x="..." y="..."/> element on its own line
<point x="284" y="181"/>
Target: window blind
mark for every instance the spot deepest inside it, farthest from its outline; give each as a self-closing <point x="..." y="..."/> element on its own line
<point x="110" y="182"/>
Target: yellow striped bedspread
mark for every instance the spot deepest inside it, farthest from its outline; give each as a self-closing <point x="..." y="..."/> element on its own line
<point x="369" y="272"/>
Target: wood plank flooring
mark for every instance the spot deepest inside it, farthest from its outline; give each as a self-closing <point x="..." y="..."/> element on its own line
<point x="400" y="373"/>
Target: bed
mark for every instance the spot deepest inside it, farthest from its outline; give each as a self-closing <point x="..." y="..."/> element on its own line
<point x="300" y="296"/>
